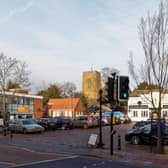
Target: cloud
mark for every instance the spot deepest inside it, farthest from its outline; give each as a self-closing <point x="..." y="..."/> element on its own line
<point x="16" y="11"/>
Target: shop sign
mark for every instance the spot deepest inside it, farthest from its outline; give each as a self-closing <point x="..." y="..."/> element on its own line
<point x="23" y="109"/>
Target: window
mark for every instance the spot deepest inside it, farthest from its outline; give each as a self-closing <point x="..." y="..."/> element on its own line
<point x="135" y="114"/>
<point x="20" y="100"/>
<point x="165" y="113"/>
<point x="147" y="129"/>
<point x="89" y="84"/>
<point x="144" y="113"/>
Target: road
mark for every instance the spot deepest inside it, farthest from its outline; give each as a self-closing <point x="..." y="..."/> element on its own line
<point x="82" y="162"/>
<point x="64" y="144"/>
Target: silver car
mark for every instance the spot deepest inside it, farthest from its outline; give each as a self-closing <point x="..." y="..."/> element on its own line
<point x="25" y="126"/>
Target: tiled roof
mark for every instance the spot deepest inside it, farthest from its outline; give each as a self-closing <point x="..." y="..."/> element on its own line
<point x="63" y="103"/>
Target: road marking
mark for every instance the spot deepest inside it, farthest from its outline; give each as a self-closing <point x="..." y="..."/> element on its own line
<point x="7" y="163"/>
<point x="44" y="161"/>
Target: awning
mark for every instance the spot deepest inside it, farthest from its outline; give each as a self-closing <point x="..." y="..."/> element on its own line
<point x="117" y="113"/>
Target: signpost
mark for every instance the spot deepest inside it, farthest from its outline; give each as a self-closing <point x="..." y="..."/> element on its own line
<point x="92" y="139"/>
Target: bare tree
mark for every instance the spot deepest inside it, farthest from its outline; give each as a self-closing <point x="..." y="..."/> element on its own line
<point x="68" y="89"/>
<point x="106" y="72"/>
<point x="11" y="70"/>
<point x="153" y="33"/>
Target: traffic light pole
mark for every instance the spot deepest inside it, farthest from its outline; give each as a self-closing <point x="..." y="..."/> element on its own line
<point x="112" y="116"/>
<point x="111" y="134"/>
<point x="118" y="90"/>
<point x="100" y="144"/>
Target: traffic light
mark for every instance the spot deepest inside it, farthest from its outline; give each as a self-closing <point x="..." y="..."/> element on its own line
<point x="123" y="88"/>
<point x="110" y="89"/>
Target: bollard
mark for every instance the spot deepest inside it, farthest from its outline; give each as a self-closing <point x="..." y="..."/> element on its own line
<point x="11" y="134"/>
<point x="119" y="142"/>
<point x="4" y="131"/>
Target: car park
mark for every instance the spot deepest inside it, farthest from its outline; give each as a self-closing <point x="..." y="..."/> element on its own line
<point x="25" y="126"/>
<point x="145" y="134"/>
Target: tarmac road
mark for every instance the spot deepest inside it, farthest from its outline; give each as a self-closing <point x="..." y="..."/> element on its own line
<point x="13" y="155"/>
<point x="82" y="162"/>
<point x="22" y="149"/>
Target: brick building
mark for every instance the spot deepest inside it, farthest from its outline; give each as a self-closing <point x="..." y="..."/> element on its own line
<point x="20" y="104"/>
<point x="68" y="107"/>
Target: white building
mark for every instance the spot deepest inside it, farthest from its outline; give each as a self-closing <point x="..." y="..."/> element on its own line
<point x="140" y="106"/>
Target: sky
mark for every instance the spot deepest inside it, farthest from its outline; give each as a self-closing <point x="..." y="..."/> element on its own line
<point x="61" y="39"/>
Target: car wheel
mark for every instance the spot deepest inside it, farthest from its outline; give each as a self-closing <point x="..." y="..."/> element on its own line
<point x="63" y="127"/>
<point x="135" y="140"/>
<point x="24" y="131"/>
<point x="85" y="126"/>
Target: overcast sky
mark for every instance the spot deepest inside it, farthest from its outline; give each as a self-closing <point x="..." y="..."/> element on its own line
<point x="60" y="39"/>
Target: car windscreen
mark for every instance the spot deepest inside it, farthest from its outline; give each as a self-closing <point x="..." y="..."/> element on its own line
<point x="28" y="122"/>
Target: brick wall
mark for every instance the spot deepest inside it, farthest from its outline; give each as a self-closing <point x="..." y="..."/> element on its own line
<point x="38" y="108"/>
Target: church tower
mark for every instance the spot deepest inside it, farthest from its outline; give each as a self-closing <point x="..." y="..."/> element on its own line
<point x="91" y="84"/>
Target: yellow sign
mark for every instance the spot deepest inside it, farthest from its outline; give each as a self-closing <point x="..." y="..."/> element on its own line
<point x="23" y="109"/>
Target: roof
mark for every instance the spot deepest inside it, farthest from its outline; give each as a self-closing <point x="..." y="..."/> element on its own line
<point x="63" y="103"/>
<point x="137" y="93"/>
<point x="22" y="95"/>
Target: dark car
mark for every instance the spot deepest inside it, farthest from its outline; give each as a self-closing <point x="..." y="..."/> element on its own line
<point x="63" y="123"/>
<point x="145" y="135"/>
<point x="47" y="123"/>
<point x="149" y="121"/>
<point x="140" y="124"/>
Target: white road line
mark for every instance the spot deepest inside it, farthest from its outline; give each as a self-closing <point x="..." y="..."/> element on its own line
<point x="7" y="163"/>
<point x="44" y="161"/>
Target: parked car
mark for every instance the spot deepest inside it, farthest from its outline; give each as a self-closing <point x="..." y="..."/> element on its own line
<point x="25" y="126"/>
<point x="85" y="121"/>
<point x="148" y="121"/>
<point x="127" y="119"/>
<point x="47" y="123"/>
<point x="63" y="123"/>
<point x="140" y="124"/>
<point x="144" y="134"/>
<point x="106" y="119"/>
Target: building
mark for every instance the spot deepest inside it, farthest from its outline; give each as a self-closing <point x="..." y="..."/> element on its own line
<point x="20" y="104"/>
<point x="68" y="107"/>
<point x="91" y="84"/>
<point x="140" y="107"/>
